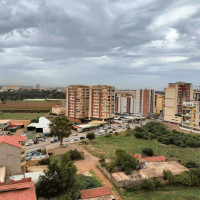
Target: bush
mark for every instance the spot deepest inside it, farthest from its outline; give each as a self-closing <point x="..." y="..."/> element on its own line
<point x="44" y="151"/>
<point x="90" y="136"/>
<point x="87" y="182"/>
<point x="150" y="184"/>
<point x="108" y="135"/>
<point x="192" y="164"/>
<point x="75" y="155"/>
<point x="45" y="161"/>
<point x="147" y="151"/>
<point x="116" y="133"/>
<point x="125" y="161"/>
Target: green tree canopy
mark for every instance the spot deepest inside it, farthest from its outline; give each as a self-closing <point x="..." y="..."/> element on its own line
<point x="125" y="161"/>
<point x="61" y="127"/>
<point x="90" y="136"/>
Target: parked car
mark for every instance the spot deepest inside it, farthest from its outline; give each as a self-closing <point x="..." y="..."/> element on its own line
<point x="28" y="158"/>
<point x="110" y="132"/>
<point x="67" y="140"/>
<point x="28" y="144"/>
<point x="43" y="139"/>
<point x="75" y="139"/>
<point x="82" y="138"/>
<point x="53" y="139"/>
<point x="75" y="134"/>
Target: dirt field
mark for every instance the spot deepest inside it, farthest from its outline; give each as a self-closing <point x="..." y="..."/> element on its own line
<point x="89" y="163"/>
<point x="12" y="105"/>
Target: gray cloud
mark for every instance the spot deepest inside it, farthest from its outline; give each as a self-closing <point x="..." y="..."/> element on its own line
<point x="129" y="44"/>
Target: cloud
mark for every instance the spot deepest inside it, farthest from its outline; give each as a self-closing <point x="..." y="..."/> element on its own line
<point x="129" y="44"/>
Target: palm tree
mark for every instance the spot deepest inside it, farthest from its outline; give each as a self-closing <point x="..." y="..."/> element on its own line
<point x="61" y="127"/>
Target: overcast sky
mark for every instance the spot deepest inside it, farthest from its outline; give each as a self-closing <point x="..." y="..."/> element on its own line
<point x="130" y="44"/>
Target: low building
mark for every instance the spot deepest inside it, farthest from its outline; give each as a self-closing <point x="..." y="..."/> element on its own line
<point x="22" y="190"/>
<point x="4" y="124"/>
<point x="155" y="159"/>
<point x="13" y="154"/>
<point x="100" y="193"/>
<point x="41" y="127"/>
<point x="59" y="110"/>
<point x="151" y="170"/>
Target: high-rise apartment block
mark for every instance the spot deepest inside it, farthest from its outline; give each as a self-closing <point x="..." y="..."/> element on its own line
<point x="159" y="103"/>
<point x="144" y="102"/>
<point x="83" y="102"/>
<point x="197" y="94"/>
<point x="125" y="103"/>
<point x="77" y="101"/>
<point x="175" y="94"/>
<point x="190" y="115"/>
<point x="102" y="102"/>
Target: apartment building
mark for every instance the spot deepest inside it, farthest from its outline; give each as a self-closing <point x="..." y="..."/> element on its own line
<point x="102" y="102"/>
<point x="77" y="101"/>
<point x="159" y="103"/>
<point x="124" y="103"/>
<point x="196" y="94"/>
<point x="175" y="94"/>
<point x="13" y="154"/>
<point x="144" y="102"/>
<point x="191" y="115"/>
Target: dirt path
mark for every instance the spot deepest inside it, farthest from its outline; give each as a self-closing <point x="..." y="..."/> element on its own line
<point x="89" y="163"/>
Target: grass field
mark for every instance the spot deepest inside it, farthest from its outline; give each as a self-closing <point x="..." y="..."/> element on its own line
<point x="21" y="116"/>
<point x="165" y="193"/>
<point x="107" y="147"/>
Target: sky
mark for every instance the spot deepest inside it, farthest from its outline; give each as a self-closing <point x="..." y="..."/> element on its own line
<point x="130" y="44"/>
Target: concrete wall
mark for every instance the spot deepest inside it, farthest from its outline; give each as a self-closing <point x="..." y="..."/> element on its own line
<point x="10" y="157"/>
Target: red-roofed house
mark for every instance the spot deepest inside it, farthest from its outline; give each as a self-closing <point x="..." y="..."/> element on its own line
<point x="18" y="190"/>
<point x="13" y="154"/>
<point x="101" y="193"/>
<point x="155" y="159"/>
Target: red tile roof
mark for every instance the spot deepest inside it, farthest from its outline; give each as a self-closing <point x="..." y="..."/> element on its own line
<point x="95" y="192"/>
<point x="155" y="159"/>
<point x="10" y="140"/>
<point x="20" y="191"/>
<point x="19" y="138"/>
<point x="138" y="156"/>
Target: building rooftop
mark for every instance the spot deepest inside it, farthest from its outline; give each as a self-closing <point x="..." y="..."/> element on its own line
<point x="155" y="159"/>
<point x="19" y="138"/>
<point x="95" y="192"/>
<point x="21" y="190"/>
<point x="4" y="121"/>
<point x="120" y="176"/>
<point x="172" y="166"/>
<point x="11" y="140"/>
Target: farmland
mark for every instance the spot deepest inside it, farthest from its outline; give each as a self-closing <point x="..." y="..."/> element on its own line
<point x="25" y="105"/>
<point x="21" y="116"/>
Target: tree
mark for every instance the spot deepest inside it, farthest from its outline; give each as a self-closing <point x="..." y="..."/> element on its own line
<point x="60" y="179"/>
<point x="90" y="136"/>
<point x="147" y="151"/>
<point x="125" y="161"/>
<point x="61" y="127"/>
<point x="48" y="185"/>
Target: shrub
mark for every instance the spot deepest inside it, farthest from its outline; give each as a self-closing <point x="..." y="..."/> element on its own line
<point x="150" y="184"/>
<point x="192" y="164"/>
<point x="108" y="135"/>
<point x="45" y="161"/>
<point x="75" y="155"/>
<point x="116" y="133"/>
<point x="125" y="161"/>
<point x="90" y="136"/>
<point x="147" y="151"/>
<point x="87" y="182"/>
